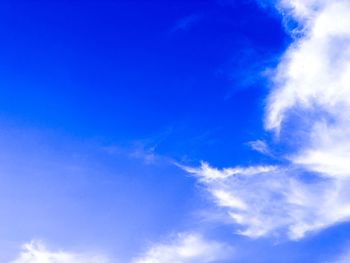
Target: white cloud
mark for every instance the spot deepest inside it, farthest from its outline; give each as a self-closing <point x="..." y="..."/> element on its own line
<point x="36" y="252"/>
<point x="313" y="80"/>
<point x="272" y="201"/>
<point x="309" y="108"/>
<point x="303" y="10"/>
<point x="207" y="173"/>
<point x="186" y="248"/>
<point x="260" y="146"/>
<point x="298" y="80"/>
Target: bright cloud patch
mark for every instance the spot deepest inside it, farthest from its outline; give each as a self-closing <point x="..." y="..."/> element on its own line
<point x="186" y="248"/>
<point x="36" y="252"/>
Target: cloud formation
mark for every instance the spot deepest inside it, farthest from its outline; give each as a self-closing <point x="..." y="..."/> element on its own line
<point x="186" y="248"/>
<point x="312" y="81"/>
<point x="36" y="252"/>
<point x="308" y="109"/>
<point x="272" y="201"/>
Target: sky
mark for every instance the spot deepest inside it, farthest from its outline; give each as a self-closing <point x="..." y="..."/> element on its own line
<point x="212" y="131"/>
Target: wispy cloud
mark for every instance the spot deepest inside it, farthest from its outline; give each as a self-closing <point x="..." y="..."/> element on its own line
<point x="271" y="201"/>
<point x="186" y="248"/>
<point x="260" y="146"/>
<point x="185" y="23"/>
<point x="36" y="252"/>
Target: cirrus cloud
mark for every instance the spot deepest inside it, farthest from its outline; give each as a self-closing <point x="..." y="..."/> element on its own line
<point x="36" y="252"/>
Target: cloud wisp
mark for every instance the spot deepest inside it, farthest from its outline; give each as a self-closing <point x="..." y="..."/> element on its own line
<point x="309" y="109"/>
<point x="36" y="252"/>
<point x="186" y="248"/>
<point x="260" y="146"/>
<point x="185" y="23"/>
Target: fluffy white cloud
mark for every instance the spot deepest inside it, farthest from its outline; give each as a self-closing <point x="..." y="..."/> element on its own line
<point x="186" y="248"/>
<point x="314" y="71"/>
<point x="36" y="252"/>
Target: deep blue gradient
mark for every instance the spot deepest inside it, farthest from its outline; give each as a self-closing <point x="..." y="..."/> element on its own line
<point x="100" y="98"/>
<point x="186" y="71"/>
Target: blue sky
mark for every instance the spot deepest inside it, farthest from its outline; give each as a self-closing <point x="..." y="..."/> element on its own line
<point x="174" y="131"/>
